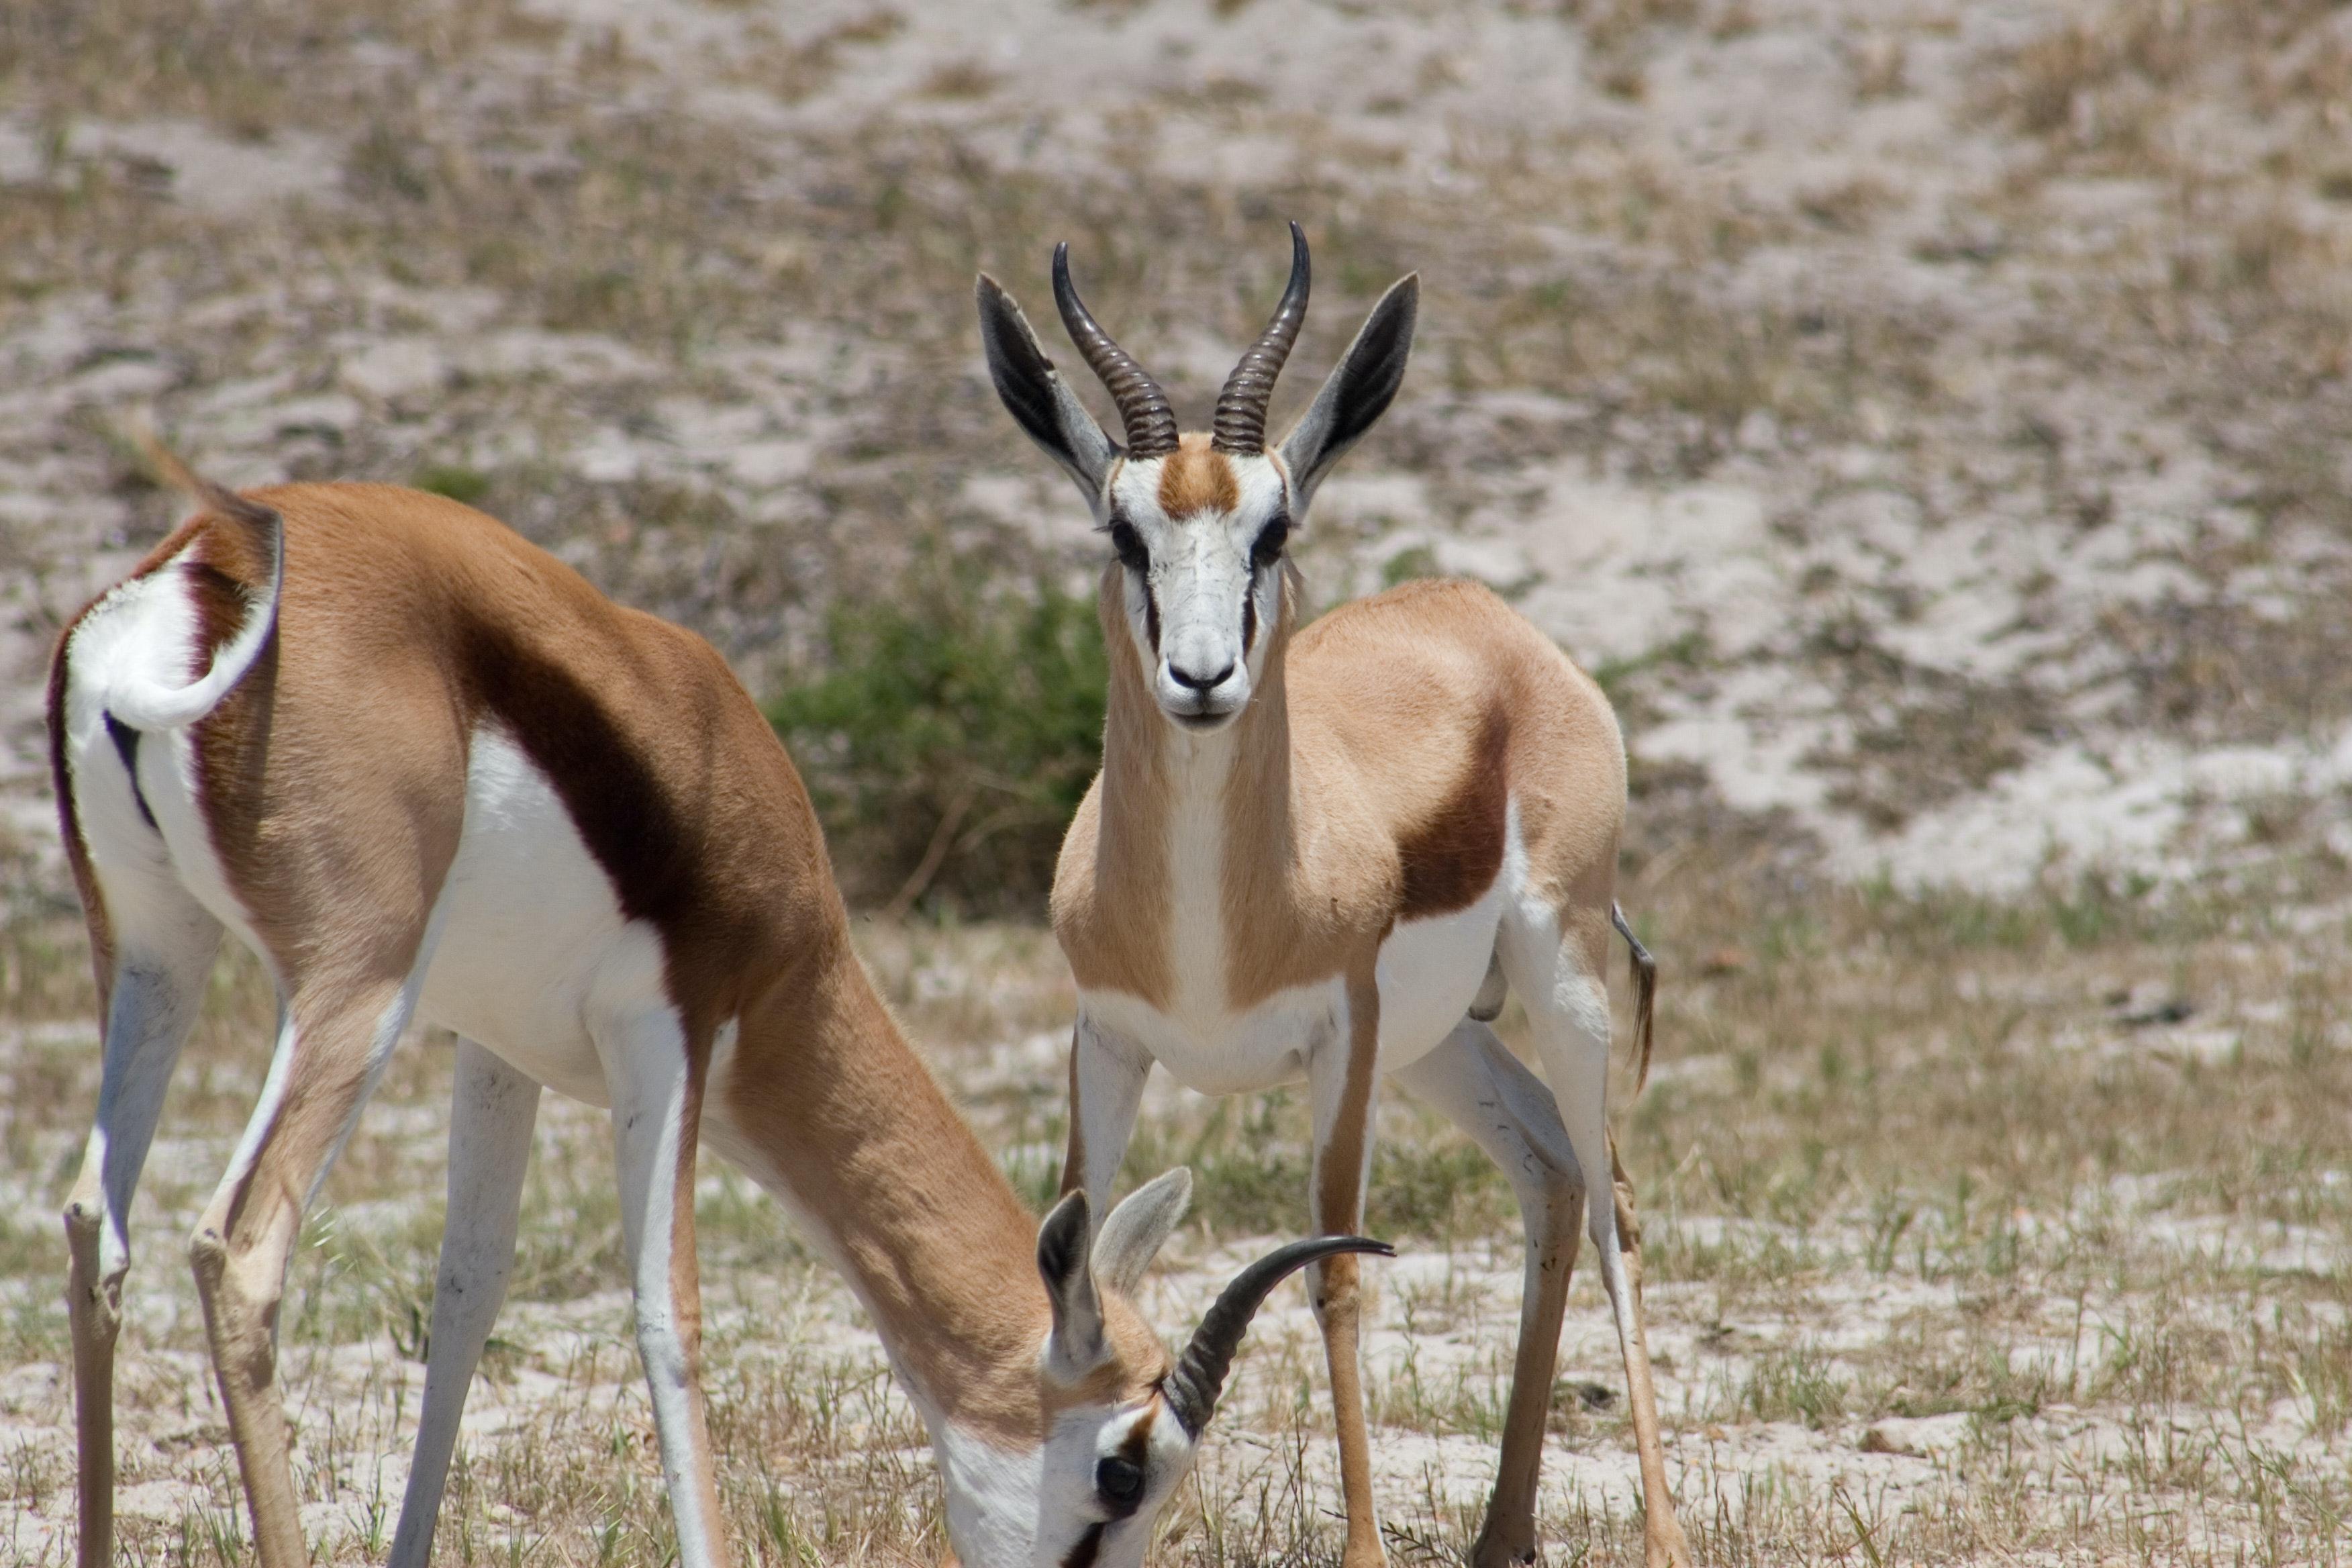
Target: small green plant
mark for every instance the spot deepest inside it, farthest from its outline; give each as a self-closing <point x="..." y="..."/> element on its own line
<point x="952" y="736"/>
<point x="457" y="481"/>
<point x="1795" y="1382"/>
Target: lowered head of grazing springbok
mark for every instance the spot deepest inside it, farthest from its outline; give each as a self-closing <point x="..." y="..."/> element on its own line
<point x="1329" y="852"/>
<point x="426" y="771"/>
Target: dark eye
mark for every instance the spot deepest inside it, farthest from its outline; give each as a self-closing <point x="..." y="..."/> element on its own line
<point x="1129" y="545"/>
<point x="1268" y="548"/>
<point x="1120" y="1481"/>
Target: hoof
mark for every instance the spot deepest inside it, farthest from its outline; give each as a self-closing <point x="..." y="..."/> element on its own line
<point x="1492" y="1552"/>
<point x="1670" y="1553"/>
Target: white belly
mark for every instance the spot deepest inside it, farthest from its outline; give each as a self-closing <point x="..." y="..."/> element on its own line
<point x="1429" y="971"/>
<point x="533" y="943"/>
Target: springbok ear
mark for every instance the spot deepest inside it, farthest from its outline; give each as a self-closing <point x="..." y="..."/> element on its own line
<point x="1358" y="392"/>
<point x="1038" y="397"/>
<point x="1137" y="1229"/>
<point x="1077" y="1345"/>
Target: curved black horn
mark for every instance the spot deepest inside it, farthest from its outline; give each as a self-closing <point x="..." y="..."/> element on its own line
<point x="1193" y="1388"/>
<point x="1240" y="424"/>
<point x="1142" y="406"/>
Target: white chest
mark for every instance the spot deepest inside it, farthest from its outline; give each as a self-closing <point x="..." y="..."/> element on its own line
<point x="1428" y="972"/>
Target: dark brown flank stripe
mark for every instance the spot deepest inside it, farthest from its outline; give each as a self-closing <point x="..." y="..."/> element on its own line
<point x="633" y="826"/>
<point x="1452" y="858"/>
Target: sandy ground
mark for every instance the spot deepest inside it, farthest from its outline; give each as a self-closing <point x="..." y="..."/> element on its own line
<point x="2082" y="1375"/>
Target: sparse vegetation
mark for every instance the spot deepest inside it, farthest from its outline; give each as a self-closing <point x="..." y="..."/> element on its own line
<point x="1894" y="1171"/>
<point x="953" y="729"/>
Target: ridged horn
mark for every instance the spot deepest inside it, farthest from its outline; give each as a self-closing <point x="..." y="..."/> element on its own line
<point x="1240" y="425"/>
<point x="1142" y="406"/>
<point x="1192" y="1389"/>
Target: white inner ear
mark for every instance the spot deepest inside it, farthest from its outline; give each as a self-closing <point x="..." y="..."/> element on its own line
<point x="1077" y="1343"/>
<point x="1131" y="1237"/>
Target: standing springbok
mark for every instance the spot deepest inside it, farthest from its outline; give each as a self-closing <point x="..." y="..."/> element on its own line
<point x="1325" y="854"/>
<point x="422" y="767"/>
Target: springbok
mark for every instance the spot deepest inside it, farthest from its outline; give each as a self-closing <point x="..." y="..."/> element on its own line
<point x="421" y="767"/>
<point x="1326" y="854"/>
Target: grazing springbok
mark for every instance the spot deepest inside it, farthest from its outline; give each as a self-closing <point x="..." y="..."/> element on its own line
<point x="1326" y="854"/>
<point x="422" y="768"/>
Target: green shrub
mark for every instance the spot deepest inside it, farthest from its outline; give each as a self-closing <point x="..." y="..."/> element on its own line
<point x="951" y="735"/>
<point x="455" y="480"/>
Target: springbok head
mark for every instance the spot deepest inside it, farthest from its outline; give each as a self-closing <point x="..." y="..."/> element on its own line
<point x="1198" y="521"/>
<point x="1122" y="1420"/>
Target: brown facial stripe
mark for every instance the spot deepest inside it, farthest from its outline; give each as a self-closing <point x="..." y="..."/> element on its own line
<point x="1194" y="478"/>
<point x="1138" y="1437"/>
<point x="1452" y="858"/>
<point x="1082" y="1555"/>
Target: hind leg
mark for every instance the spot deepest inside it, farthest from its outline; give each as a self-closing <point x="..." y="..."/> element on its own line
<point x="491" y="1112"/>
<point x="1481" y="1087"/>
<point x="153" y="993"/>
<point x="334" y="1043"/>
<point x="1558" y="975"/>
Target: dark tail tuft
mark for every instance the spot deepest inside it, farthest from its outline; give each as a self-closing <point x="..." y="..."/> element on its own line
<point x="1646" y="991"/>
<point x="211" y="495"/>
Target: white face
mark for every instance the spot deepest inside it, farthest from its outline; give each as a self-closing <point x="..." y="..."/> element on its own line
<point x="1204" y="588"/>
<point x="1108" y="1472"/>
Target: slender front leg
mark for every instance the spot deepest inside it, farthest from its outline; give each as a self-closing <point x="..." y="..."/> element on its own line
<point x="492" y="1111"/>
<point x="1341" y="1076"/>
<point x="655" y="1079"/>
<point x="152" y="999"/>
<point x="1106" y="1076"/>
<point x="331" y="1046"/>
<point x="1482" y="1089"/>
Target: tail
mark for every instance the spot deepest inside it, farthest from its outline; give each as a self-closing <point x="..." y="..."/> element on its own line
<point x="1646" y="990"/>
<point x="142" y="702"/>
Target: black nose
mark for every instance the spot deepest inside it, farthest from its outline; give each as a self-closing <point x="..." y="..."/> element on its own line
<point x="1185" y="678"/>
